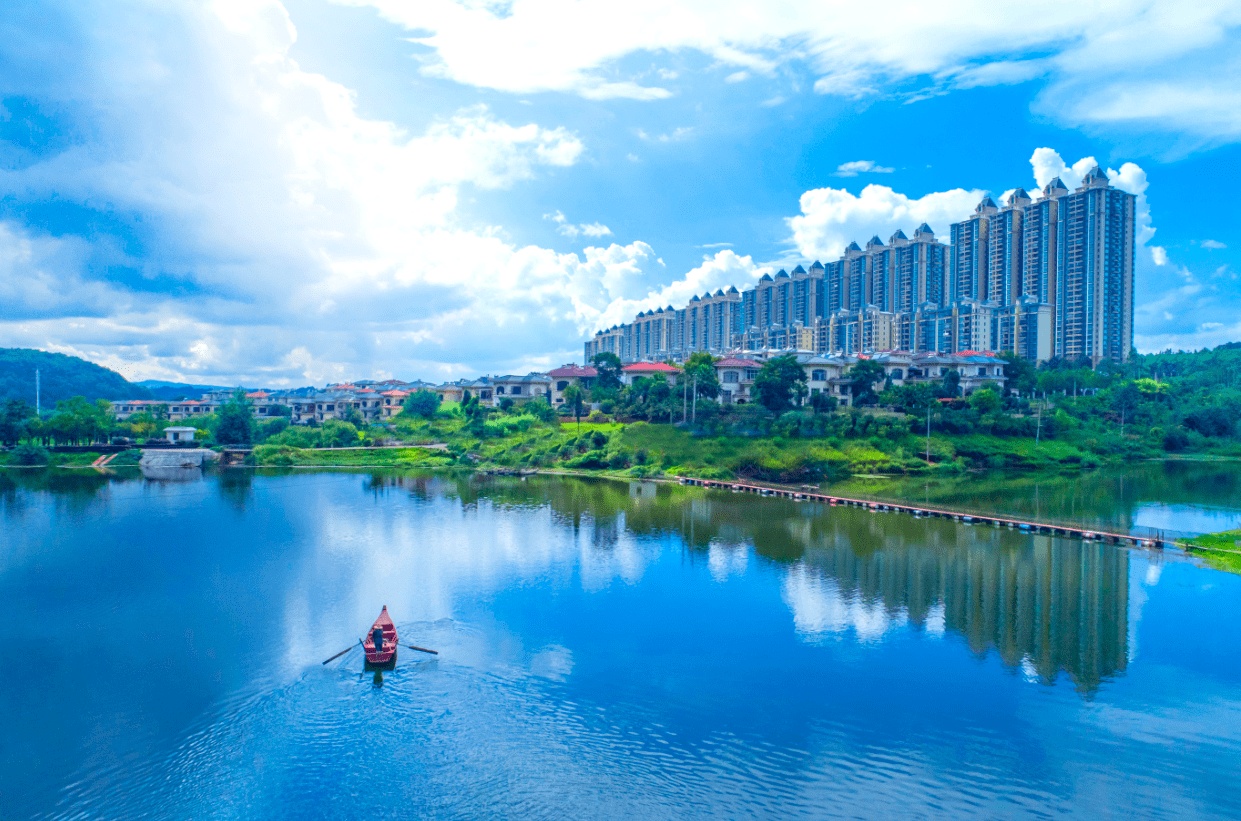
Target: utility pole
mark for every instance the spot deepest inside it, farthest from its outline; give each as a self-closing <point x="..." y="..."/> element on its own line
<point x="694" y="402"/>
<point x="36" y="393"/>
<point x="1038" y="429"/>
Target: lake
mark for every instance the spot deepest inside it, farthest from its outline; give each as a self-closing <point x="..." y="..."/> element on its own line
<point x="607" y="650"/>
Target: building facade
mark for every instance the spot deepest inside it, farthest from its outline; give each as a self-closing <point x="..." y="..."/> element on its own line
<point x="1046" y="277"/>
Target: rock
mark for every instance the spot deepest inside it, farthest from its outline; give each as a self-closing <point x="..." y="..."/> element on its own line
<point x="178" y="458"/>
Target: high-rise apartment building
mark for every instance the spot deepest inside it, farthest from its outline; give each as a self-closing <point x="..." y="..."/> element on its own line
<point x="1046" y="277"/>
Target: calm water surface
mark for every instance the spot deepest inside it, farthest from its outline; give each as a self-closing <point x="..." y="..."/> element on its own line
<point x="608" y="650"/>
<point x="1176" y="497"/>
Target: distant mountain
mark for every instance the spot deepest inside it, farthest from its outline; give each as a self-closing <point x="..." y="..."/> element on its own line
<point x="161" y="389"/>
<point x="60" y="377"/>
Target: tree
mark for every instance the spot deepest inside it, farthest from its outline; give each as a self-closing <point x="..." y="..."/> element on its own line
<point x="608" y="367"/>
<point x="540" y="409"/>
<point x="985" y="400"/>
<point x="700" y="371"/>
<point x="1126" y="402"/>
<point x="780" y="383"/>
<point x="422" y="403"/>
<point x="573" y="396"/>
<point x="13" y="421"/>
<point x="1019" y="373"/>
<point x="950" y="386"/>
<point x="339" y="434"/>
<point x="822" y="403"/>
<point x="862" y="378"/>
<point x="235" y="425"/>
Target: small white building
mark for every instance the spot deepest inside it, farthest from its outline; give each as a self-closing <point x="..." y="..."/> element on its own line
<point x="177" y="433"/>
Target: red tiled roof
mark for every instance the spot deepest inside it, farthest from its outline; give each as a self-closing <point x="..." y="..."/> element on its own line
<point x="651" y="367"/>
<point x="975" y="353"/>
<point x="395" y="393"/>
<point x="258" y="395"/>
<point x="573" y="371"/>
<point x="734" y="362"/>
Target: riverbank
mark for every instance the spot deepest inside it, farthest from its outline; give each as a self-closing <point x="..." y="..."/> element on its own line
<point x="644" y="450"/>
<point x="1220" y="550"/>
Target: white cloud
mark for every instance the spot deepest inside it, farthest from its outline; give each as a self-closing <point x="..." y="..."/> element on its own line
<point x="737" y="77"/>
<point x="676" y="134"/>
<point x="287" y="238"/>
<point x="820" y="607"/>
<point x="1047" y="163"/>
<point x="1159" y="255"/>
<point x="593" y="229"/>
<point x="852" y="169"/>
<point x="831" y="218"/>
<point x="723" y="270"/>
<point x="1159" y="65"/>
<point x="1214" y="245"/>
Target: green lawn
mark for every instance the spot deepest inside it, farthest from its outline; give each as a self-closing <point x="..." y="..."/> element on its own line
<point x="1221" y="550"/>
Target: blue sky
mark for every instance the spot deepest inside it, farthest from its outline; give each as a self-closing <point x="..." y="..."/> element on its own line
<point x="296" y="193"/>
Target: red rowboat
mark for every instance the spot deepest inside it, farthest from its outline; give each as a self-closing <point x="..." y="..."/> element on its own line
<point x="380" y="643"/>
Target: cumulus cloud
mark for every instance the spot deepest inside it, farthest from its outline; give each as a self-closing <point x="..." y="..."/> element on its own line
<point x="1159" y="65"/>
<point x="1047" y="164"/>
<point x="831" y="218"/>
<point x="1212" y="244"/>
<point x="568" y="229"/>
<point x="722" y="270"/>
<point x="284" y="237"/>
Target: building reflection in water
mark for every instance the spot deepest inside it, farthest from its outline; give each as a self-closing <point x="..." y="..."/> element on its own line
<point x="1047" y="604"/>
<point x="1041" y="602"/>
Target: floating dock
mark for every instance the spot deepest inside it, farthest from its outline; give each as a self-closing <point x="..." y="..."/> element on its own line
<point x="923" y="512"/>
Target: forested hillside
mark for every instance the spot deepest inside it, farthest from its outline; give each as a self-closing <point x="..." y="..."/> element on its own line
<point x="61" y="377"/>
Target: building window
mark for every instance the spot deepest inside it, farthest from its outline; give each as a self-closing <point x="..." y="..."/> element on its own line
<point x="731" y="377"/>
<point x="982" y="371"/>
<point x="750" y="374"/>
<point x="499" y="391"/>
<point x="897" y="373"/>
<point x="818" y="376"/>
<point x="331" y="407"/>
<point x="516" y="390"/>
<point x="561" y="385"/>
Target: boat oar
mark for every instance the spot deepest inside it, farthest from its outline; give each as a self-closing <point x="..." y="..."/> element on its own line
<point x="342" y="652"/>
<point x="423" y="649"/>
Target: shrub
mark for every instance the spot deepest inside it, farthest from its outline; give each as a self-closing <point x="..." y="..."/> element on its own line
<point x="1175" y="440"/>
<point x="29" y="454"/>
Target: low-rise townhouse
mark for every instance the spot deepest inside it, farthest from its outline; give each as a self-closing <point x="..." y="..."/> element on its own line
<point x="648" y="369"/>
<point x="736" y="377"/>
<point x="566" y="375"/>
<point x="521" y="388"/>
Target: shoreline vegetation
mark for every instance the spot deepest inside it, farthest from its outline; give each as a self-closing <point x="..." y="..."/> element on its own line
<point x="1060" y="416"/>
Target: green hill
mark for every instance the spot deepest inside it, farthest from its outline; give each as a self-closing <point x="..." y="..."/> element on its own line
<point x="60" y="377"/>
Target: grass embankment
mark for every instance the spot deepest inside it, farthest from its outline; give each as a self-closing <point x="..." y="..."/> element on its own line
<point x="287" y="456"/>
<point x="127" y="458"/>
<point x="1220" y="550"/>
<point x="519" y="441"/>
